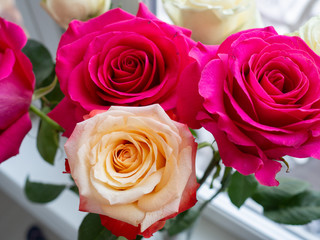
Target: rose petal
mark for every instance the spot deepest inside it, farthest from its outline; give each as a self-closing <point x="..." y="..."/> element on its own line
<point x="64" y="109"/>
<point x="14" y="135"/>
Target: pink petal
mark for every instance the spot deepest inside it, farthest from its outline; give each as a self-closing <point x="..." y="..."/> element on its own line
<point x="11" y="138"/>
<point x="67" y="115"/>
<point x="266" y="175"/>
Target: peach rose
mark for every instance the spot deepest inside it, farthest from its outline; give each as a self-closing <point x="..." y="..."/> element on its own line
<point x="134" y="166"/>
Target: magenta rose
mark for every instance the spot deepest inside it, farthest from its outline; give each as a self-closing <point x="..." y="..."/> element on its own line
<point x="189" y="101"/>
<point x="119" y="59"/>
<point x="262" y="96"/>
<point x="16" y="89"/>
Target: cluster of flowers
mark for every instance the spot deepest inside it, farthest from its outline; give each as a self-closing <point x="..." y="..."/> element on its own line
<point x="140" y="83"/>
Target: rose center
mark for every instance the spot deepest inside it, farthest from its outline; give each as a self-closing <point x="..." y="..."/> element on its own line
<point x="278" y="81"/>
<point x="130" y="62"/>
<point x="125" y="157"/>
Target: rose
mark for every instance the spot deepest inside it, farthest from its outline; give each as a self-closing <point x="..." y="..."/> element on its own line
<point x="310" y="33"/>
<point x="16" y="88"/>
<point x="134" y="166"/>
<point x="212" y="21"/>
<point x="119" y="59"/>
<point x="64" y="11"/>
<point x="189" y="101"/>
<point x="261" y="92"/>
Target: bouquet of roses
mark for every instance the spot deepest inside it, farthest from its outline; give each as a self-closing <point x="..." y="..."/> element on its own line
<point x="128" y="90"/>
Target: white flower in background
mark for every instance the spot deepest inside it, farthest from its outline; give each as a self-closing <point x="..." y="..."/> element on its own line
<point x="9" y="11"/>
<point x="211" y="21"/>
<point x="63" y="11"/>
<point x="310" y="33"/>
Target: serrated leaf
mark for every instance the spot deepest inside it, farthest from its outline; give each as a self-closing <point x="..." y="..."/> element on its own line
<point x="41" y="192"/>
<point x="41" y="60"/>
<point x="181" y="222"/>
<point x="300" y="209"/>
<point x="241" y="188"/>
<point x="47" y="140"/>
<point x="91" y="229"/>
<point x="290" y="203"/>
<point x="269" y="197"/>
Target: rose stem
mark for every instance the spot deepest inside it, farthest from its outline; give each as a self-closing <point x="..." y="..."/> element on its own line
<point x="44" y="117"/>
<point x="214" y="162"/>
<point x="224" y="184"/>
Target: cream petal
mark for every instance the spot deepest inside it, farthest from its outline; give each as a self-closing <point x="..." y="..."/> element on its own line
<point x="80" y="170"/>
<point x="128" y="213"/>
<point x="166" y="192"/>
<point x="152" y="217"/>
<point x="108" y="123"/>
<point x="128" y="195"/>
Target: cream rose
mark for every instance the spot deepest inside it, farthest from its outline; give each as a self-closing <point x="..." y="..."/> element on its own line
<point x="211" y="21"/>
<point x="310" y="33"/>
<point x="63" y="11"/>
<point x="134" y="165"/>
<point x="9" y="11"/>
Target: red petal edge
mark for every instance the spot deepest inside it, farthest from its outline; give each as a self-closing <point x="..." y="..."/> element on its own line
<point x="127" y="230"/>
<point x="67" y="166"/>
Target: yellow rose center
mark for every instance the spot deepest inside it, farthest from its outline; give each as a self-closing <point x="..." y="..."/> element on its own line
<point x="126" y="158"/>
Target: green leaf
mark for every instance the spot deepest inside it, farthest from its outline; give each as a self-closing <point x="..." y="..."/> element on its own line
<point x="181" y="222"/>
<point x="269" y="197"/>
<point x="92" y="229"/>
<point x="241" y="188"/>
<point x="41" y="60"/>
<point x="47" y="140"/>
<point x="74" y="189"/>
<point x="292" y="202"/>
<point x="193" y="132"/>
<point x="301" y="209"/>
<point x="42" y="193"/>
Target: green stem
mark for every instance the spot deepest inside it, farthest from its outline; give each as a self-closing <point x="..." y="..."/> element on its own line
<point x="224" y="184"/>
<point x="44" y="117"/>
<point x="214" y="162"/>
<point x="205" y="144"/>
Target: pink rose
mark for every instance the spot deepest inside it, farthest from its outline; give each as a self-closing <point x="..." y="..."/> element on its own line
<point x="16" y="89"/>
<point x="262" y="96"/>
<point x="189" y="101"/>
<point x="119" y="59"/>
<point x="134" y="166"/>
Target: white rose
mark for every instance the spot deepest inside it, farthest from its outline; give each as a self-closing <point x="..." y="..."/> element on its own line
<point x="134" y="165"/>
<point x="211" y="21"/>
<point x="9" y="11"/>
<point x="64" y="11"/>
<point x="310" y="33"/>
